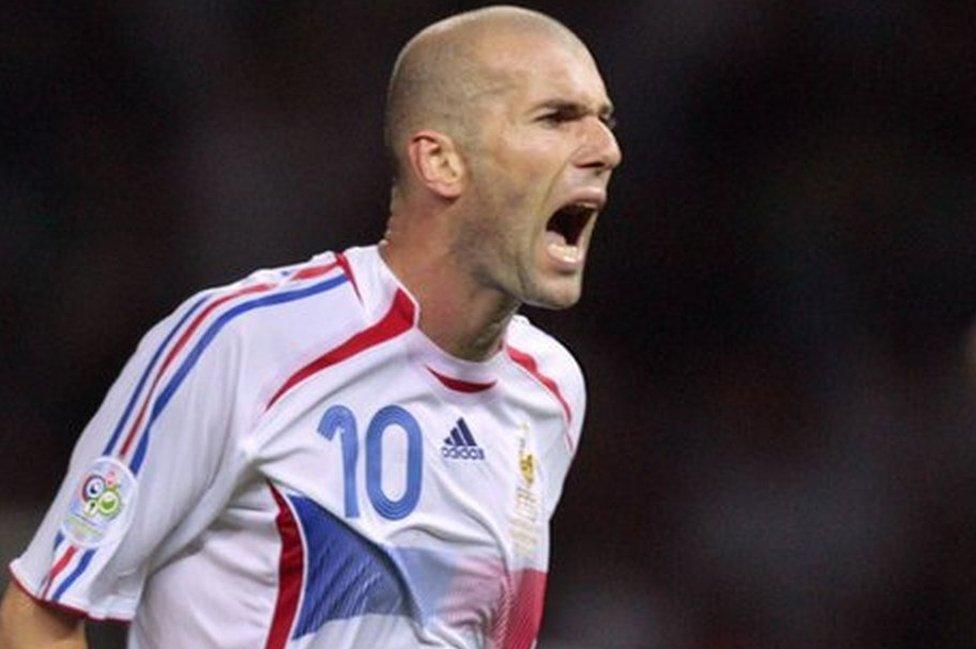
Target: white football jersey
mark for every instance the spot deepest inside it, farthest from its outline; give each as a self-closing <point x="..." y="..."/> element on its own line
<point x="290" y="462"/>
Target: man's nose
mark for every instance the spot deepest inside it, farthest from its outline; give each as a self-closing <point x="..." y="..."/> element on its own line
<point x="600" y="148"/>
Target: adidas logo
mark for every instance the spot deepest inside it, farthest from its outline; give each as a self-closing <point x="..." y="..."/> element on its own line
<point x="460" y="444"/>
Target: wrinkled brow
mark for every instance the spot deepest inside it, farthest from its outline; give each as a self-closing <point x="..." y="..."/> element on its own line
<point x="572" y="108"/>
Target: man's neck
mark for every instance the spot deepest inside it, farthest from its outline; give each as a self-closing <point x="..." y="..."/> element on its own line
<point x="461" y="316"/>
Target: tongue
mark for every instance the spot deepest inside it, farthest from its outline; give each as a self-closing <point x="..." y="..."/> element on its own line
<point x="557" y="247"/>
<point x="553" y="237"/>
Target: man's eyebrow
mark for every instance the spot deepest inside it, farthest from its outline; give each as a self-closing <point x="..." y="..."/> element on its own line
<point x="575" y="107"/>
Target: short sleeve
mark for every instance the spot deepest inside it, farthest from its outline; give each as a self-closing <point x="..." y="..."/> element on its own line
<point x="155" y="463"/>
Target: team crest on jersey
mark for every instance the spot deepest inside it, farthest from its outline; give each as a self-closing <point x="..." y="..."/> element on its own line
<point x="527" y="513"/>
<point x="101" y="506"/>
<point x="527" y="466"/>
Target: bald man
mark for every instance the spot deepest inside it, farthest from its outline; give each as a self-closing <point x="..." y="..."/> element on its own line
<point x="365" y="449"/>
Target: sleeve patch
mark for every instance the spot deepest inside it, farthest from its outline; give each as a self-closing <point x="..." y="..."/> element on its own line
<point x="102" y="504"/>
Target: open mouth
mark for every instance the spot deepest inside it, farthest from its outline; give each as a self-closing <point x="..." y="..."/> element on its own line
<point x="569" y="222"/>
<point x="564" y="234"/>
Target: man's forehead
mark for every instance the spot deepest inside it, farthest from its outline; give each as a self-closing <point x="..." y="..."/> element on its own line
<point x="540" y="70"/>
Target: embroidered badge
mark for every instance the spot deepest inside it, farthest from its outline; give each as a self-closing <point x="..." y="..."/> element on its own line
<point x="101" y="507"/>
<point x="527" y="514"/>
<point x="527" y="465"/>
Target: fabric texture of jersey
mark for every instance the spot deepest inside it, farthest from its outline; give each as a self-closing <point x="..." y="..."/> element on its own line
<point x="290" y="462"/>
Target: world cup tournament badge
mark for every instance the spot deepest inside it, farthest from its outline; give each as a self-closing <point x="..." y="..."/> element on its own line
<point x="101" y="507"/>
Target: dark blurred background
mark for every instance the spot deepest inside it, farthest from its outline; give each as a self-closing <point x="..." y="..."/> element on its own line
<point x="780" y="448"/>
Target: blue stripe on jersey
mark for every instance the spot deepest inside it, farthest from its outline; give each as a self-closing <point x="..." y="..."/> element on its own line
<point x="80" y="568"/>
<point x="177" y="379"/>
<point x="346" y="575"/>
<point x="191" y="359"/>
<point x="145" y="376"/>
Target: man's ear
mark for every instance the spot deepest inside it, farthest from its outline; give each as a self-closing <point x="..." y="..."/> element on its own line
<point x="436" y="162"/>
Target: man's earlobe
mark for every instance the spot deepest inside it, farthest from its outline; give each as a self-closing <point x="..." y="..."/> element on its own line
<point x="436" y="162"/>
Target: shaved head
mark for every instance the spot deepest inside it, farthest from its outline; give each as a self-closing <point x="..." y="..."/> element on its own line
<point x="498" y="125"/>
<point x="442" y="74"/>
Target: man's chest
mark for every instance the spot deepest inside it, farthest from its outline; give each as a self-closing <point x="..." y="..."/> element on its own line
<point x="410" y="500"/>
<point x="404" y="462"/>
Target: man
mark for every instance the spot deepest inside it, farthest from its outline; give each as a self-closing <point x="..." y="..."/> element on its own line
<point x="363" y="450"/>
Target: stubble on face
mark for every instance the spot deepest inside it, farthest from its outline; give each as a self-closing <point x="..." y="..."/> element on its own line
<point x="518" y="172"/>
<point x="473" y="78"/>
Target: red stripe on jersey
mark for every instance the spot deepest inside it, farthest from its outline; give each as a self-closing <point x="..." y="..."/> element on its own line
<point x="397" y="320"/>
<point x="58" y="567"/>
<point x="347" y="269"/>
<point x="459" y="385"/>
<point x="290" y="570"/>
<point x="257" y="288"/>
<point x="305" y="273"/>
<point x="313" y="271"/>
<point x="532" y="368"/>
<point x="520" y="624"/>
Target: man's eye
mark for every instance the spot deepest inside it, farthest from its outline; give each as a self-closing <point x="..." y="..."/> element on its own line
<point x="553" y="118"/>
<point x="609" y="121"/>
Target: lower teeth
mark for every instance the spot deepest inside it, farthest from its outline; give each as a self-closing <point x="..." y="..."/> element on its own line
<point x="564" y="252"/>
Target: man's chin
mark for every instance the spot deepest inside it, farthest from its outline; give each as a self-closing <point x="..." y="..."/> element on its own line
<point x="558" y="295"/>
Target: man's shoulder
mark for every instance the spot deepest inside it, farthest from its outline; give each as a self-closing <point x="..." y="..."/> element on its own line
<point x="528" y="342"/>
<point x="269" y="312"/>
<point x="552" y="365"/>
<point x="523" y="332"/>
<point x="313" y="299"/>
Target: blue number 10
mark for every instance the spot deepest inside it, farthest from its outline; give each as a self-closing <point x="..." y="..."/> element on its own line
<point x="339" y="419"/>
